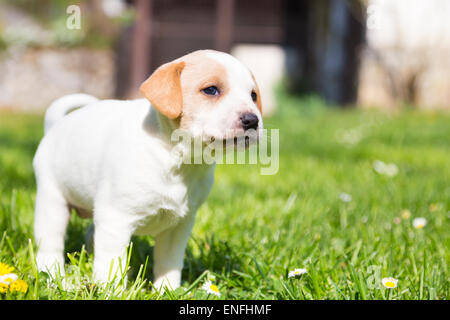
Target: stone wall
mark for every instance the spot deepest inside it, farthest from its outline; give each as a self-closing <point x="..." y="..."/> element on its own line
<point x="30" y="79"/>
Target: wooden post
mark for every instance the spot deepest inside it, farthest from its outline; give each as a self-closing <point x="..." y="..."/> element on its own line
<point x="141" y="45"/>
<point x="224" y="25"/>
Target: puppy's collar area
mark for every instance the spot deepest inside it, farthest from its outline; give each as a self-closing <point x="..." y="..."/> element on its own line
<point x="156" y="123"/>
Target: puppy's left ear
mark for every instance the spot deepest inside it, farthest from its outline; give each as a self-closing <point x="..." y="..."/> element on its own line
<point x="163" y="89"/>
<point x="258" y="94"/>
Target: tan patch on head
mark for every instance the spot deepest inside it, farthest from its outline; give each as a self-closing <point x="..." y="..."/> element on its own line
<point x="201" y="72"/>
<point x="163" y="89"/>
<point x="174" y="89"/>
<point x="258" y="94"/>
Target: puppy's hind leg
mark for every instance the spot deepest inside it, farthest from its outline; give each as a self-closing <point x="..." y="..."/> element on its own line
<point x="50" y="222"/>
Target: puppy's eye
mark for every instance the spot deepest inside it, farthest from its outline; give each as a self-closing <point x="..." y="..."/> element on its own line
<point x="211" y="91"/>
<point x="254" y="96"/>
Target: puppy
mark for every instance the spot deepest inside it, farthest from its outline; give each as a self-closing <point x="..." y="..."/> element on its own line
<point x="114" y="161"/>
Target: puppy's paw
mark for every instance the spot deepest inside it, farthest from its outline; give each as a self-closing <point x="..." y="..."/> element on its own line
<point x="170" y="281"/>
<point x="51" y="263"/>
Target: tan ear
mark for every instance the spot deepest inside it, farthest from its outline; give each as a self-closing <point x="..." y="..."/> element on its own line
<point x="163" y="89"/>
<point x="258" y="99"/>
<point x="258" y="94"/>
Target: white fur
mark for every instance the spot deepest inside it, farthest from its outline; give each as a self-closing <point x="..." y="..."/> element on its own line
<point x="60" y="107"/>
<point x="113" y="161"/>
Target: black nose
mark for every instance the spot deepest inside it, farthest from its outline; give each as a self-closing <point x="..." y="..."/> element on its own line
<point x="249" y="121"/>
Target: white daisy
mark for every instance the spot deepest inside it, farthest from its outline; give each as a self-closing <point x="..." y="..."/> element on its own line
<point x="406" y="214"/>
<point x="8" y="278"/>
<point x="419" y="223"/>
<point x="349" y="136"/>
<point x="378" y="166"/>
<point x="345" y="197"/>
<point x="388" y="169"/>
<point x="296" y="272"/>
<point x="391" y="170"/>
<point x="389" y="283"/>
<point x="211" y="288"/>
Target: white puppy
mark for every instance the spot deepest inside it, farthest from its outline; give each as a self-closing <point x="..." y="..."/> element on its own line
<point x="113" y="161"/>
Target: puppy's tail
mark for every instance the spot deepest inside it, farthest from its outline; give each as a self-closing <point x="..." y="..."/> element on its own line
<point x="62" y="106"/>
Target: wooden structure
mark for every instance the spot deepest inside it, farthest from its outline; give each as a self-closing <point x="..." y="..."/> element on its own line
<point x="311" y="30"/>
<point x="166" y="29"/>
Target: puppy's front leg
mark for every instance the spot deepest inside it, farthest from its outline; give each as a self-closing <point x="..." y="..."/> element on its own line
<point x="112" y="235"/>
<point x="169" y="253"/>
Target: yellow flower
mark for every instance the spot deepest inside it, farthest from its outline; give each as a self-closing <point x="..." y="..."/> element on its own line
<point x="406" y="214"/>
<point x="3" y="287"/>
<point x="433" y="207"/>
<point x="18" y="286"/>
<point x="389" y="283"/>
<point x="9" y="280"/>
<point x="5" y="269"/>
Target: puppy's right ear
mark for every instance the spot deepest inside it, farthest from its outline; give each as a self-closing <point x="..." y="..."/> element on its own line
<point x="163" y="89"/>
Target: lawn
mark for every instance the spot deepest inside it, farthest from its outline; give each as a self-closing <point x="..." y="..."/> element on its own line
<point x="342" y="205"/>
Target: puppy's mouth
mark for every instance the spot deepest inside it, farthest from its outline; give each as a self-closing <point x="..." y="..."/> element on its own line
<point x="239" y="141"/>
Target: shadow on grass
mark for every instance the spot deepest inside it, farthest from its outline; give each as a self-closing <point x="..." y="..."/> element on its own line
<point x="201" y="254"/>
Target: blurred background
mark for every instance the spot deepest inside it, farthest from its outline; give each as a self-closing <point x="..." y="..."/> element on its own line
<point x="352" y="180"/>
<point x="352" y="53"/>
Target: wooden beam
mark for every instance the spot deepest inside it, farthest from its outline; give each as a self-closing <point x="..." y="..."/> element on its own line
<point x="224" y="24"/>
<point x="242" y="33"/>
<point x="141" y="44"/>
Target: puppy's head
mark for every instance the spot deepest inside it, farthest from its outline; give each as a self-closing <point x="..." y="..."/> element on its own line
<point x="211" y="94"/>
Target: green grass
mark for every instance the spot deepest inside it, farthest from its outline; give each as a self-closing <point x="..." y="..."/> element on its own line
<point x="254" y="229"/>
